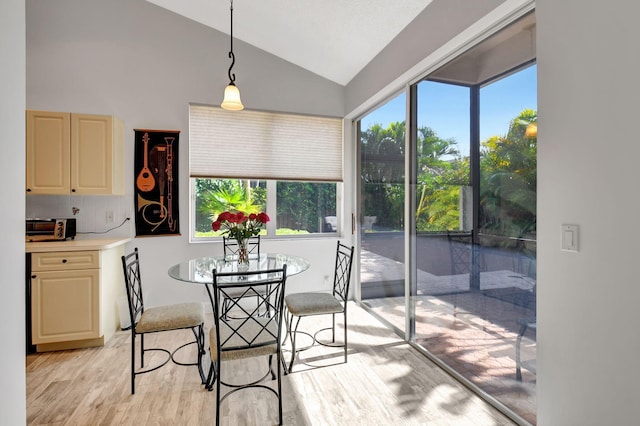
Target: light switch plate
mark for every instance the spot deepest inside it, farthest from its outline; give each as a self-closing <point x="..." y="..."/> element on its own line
<point x="570" y="237"/>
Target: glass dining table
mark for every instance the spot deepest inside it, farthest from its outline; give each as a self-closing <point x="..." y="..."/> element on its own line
<point x="200" y="270"/>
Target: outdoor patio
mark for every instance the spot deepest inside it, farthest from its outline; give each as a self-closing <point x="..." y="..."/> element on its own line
<point x="473" y="331"/>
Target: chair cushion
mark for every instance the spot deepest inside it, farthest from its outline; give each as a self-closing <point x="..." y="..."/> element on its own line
<point x="303" y="304"/>
<point x="262" y="341"/>
<point x="171" y="317"/>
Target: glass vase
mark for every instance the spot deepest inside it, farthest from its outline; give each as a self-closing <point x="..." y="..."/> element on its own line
<point x="243" y="255"/>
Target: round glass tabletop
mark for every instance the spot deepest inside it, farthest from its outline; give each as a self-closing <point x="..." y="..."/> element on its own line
<point x="201" y="270"/>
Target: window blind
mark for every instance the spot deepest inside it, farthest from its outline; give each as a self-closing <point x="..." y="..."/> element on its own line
<point x="263" y="145"/>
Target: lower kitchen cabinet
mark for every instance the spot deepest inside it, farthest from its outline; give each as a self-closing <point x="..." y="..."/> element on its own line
<point x="74" y="298"/>
<point x="66" y="305"/>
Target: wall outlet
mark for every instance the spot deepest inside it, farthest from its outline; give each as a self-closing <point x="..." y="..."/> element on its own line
<point x="110" y="218"/>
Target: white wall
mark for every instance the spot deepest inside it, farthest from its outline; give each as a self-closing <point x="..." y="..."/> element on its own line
<point x="145" y="64"/>
<point x="12" y="172"/>
<point x="588" y="151"/>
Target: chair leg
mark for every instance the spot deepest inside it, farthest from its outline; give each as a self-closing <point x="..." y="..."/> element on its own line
<point x="207" y="385"/>
<point x="198" y="332"/>
<point x="133" y="363"/>
<point x="201" y="351"/>
<point x="523" y="328"/>
<point x="278" y="361"/>
<point x="142" y="351"/>
<point x="345" y="335"/>
<point x="293" y="342"/>
<point x="281" y="358"/>
<point x="333" y="328"/>
<point x="213" y="376"/>
<point x="287" y="321"/>
<point x="273" y="373"/>
<point x="218" y="381"/>
<point x="225" y="308"/>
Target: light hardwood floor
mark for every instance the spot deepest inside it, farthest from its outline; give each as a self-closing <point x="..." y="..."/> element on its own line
<point x="385" y="382"/>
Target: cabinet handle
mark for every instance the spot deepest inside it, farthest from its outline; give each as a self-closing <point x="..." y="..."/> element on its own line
<point x="28" y="189"/>
<point x="33" y="277"/>
<point x="64" y="260"/>
<point x="73" y="190"/>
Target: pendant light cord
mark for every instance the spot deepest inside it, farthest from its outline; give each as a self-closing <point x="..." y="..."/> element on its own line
<point x="232" y="77"/>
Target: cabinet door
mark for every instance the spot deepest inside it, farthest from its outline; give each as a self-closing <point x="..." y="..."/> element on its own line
<point x="65" y="305"/>
<point x="48" y="152"/>
<point x="92" y="154"/>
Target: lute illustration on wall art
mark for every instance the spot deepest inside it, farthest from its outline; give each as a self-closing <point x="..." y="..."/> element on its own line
<point x="145" y="181"/>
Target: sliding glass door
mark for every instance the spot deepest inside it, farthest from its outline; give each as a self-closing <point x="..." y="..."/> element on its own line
<point x="444" y="212"/>
<point x="475" y="301"/>
<point x="472" y="217"/>
<point x="381" y="212"/>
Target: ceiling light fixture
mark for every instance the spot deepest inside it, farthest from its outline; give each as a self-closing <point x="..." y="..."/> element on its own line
<point x="231" y="93"/>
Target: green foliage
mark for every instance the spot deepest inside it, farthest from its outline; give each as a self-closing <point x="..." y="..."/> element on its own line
<point x="215" y="196"/>
<point x="382" y="174"/>
<point x="439" y="182"/>
<point x="508" y="180"/>
<point x="301" y="205"/>
<point x="383" y="170"/>
<point x="507" y="187"/>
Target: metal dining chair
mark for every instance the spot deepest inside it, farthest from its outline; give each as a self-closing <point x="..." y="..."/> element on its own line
<point x="158" y="319"/>
<point x="300" y="305"/>
<point x="524" y="323"/>
<point x="256" y="334"/>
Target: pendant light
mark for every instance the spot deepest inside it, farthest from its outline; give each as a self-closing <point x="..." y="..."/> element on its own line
<point x="231" y="93"/>
<point x="531" y="131"/>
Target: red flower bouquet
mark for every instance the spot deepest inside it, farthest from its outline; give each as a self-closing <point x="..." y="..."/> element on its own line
<point x="238" y="225"/>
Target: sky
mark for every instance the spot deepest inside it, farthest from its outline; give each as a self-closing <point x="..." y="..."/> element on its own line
<point x="445" y="107"/>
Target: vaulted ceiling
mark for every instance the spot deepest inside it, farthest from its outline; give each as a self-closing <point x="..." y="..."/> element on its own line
<point x="332" y="38"/>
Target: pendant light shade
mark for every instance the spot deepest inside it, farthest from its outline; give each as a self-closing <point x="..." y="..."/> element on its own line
<point x="231" y="99"/>
<point x="531" y="131"/>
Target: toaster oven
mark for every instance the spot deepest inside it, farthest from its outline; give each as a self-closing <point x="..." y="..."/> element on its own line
<point x="50" y="229"/>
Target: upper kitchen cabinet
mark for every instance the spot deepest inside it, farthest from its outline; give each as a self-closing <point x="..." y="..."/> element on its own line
<point x="78" y="154"/>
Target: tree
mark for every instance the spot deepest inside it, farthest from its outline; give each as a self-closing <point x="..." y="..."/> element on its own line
<point x="383" y="172"/>
<point x="507" y="187"/>
<point x="302" y="205"/>
<point x="439" y="181"/>
<point x="508" y="180"/>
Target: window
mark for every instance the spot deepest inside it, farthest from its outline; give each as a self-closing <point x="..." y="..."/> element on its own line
<point x="302" y="208"/>
<point x="254" y="161"/>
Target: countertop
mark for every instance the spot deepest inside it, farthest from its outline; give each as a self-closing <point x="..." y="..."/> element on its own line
<point x="79" y="244"/>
